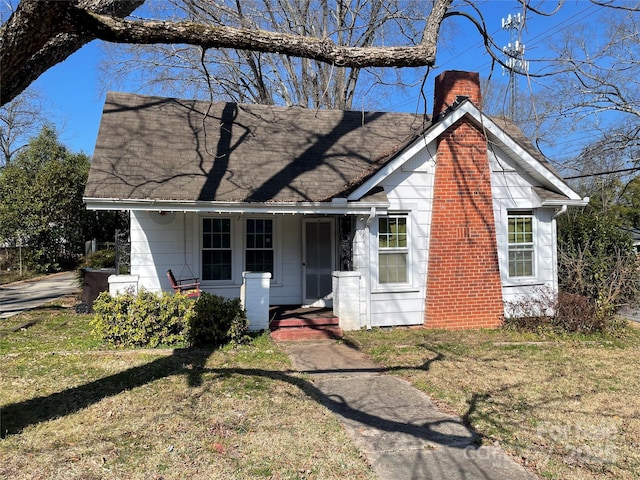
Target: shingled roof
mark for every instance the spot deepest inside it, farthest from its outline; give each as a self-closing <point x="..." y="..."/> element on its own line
<point x="169" y="149"/>
<point x="165" y="149"/>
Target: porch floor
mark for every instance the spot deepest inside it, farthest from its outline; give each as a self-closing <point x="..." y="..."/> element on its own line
<point x="293" y="322"/>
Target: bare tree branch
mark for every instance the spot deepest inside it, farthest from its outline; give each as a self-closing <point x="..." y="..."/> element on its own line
<point x="39" y="35"/>
<point x="60" y="28"/>
<point x="322" y="49"/>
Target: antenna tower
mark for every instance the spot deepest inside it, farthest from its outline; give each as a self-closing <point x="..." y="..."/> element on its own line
<point x="514" y="53"/>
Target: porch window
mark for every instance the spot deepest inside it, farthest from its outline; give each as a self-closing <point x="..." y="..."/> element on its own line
<point x="521" y="244"/>
<point x="393" y="249"/>
<point x="216" y="249"/>
<point x="259" y="246"/>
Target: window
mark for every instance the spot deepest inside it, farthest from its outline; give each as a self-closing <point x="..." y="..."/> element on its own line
<point x="216" y="249"/>
<point x="393" y="250"/>
<point x="259" y="246"/>
<point x="521" y="244"/>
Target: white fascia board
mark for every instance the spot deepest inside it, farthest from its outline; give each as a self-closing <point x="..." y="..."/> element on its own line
<point x="306" y="208"/>
<point x="425" y="139"/>
<point x="431" y="134"/>
<point x="523" y="158"/>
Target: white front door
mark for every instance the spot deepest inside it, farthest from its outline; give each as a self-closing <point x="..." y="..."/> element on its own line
<point x="318" y="261"/>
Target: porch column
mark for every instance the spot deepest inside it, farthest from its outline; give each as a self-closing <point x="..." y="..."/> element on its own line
<point x="346" y="299"/>
<point x="254" y="296"/>
<point x="119" y="284"/>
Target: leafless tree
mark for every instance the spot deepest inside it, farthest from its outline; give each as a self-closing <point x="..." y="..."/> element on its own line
<point x="255" y="77"/>
<point x="596" y="93"/>
<point x="19" y="120"/>
<point x="42" y="33"/>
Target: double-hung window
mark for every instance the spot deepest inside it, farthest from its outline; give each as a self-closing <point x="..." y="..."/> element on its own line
<point x="521" y="244"/>
<point x="393" y="249"/>
<point x="259" y="245"/>
<point x="216" y="249"/>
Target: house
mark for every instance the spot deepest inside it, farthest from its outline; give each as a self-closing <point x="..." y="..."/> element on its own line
<point x="391" y="218"/>
<point x="634" y="233"/>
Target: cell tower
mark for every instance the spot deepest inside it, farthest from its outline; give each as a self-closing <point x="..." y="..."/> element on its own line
<point x="514" y="53"/>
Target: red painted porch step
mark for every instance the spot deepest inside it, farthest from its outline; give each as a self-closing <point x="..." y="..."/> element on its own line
<point x="291" y="334"/>
<point x="303" y="322"/>
<point x="297" y="329"/>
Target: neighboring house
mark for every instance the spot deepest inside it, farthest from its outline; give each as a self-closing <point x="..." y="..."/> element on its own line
<point x="398" y="218"/>
<point x="635" y="238"/>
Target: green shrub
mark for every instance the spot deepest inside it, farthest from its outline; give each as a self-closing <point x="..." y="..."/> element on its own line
<point x="144" y="320"/>
<point x="152" y="319"/>
<point x="596" y="259"/>
<point x="100" y="259"/>
<point x="218" y="321"/>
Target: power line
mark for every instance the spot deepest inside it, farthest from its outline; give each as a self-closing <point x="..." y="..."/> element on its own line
<point x="622" y="170"/>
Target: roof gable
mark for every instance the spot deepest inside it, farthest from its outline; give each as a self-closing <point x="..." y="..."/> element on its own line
<point x="498" y="130"/>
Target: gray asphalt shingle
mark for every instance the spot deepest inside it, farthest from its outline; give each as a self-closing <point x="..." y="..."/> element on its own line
<point x="153" y="148"/>
<point x="167" y="149"/>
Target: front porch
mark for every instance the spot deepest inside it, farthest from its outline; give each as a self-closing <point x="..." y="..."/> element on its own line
<point x="296" y="323"/>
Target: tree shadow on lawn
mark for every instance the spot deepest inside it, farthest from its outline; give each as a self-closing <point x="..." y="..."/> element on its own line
<point x="191" y="363"/>
<point x="17" y="416"/>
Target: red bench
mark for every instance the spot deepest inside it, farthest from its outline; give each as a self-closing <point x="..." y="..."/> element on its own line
<point x="188" y="286"/>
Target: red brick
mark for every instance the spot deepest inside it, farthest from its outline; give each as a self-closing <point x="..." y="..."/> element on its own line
<point x="463" y="278"/>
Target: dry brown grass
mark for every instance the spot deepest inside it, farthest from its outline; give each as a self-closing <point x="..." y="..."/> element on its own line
<point x="71" y="410"/>
<point x="567" y="407"/>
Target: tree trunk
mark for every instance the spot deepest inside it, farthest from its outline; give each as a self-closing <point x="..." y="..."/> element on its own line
<point x="42" y="33"/>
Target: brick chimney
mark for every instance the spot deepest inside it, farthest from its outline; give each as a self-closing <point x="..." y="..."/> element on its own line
<point x="452" y="84"/>
<point x="463" y="279"/>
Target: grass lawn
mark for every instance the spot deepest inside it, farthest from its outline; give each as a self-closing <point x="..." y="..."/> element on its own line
<point x="566" y="406"/>
<point x="71" y="409"/>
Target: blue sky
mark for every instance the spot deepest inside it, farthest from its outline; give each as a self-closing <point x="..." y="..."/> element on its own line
<point x="72" y="89"/>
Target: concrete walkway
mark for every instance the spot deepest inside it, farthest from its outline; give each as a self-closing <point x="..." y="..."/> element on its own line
<point x="17" y="297"/>
<point x="632" y="314"/>
<point x="397" y="427"/>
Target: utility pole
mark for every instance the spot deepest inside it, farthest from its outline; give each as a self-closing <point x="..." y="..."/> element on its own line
<point x="514" y="53"/>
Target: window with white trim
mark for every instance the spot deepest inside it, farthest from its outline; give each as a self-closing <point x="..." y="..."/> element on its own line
<point x="393" y="249"/>
<point x="259" y="254"/>
<point x="216" y="249"/>
<point x="521" y="244"/>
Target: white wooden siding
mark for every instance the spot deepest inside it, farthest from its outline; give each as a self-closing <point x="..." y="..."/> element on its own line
<point x="410" y="191"/>
<point x="513" y="189"/>
<point x="156" y="248"/>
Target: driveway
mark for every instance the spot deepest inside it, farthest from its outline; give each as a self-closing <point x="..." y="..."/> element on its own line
<point x="17" y="297"/>
<point x="632" y="314"/>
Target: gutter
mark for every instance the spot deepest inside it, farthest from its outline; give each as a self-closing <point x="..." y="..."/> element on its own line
<point x="338" y="206"/>
<point x="564" y="205"/>
<point x="563" y="209"/>
<point x="582" y="202"/>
